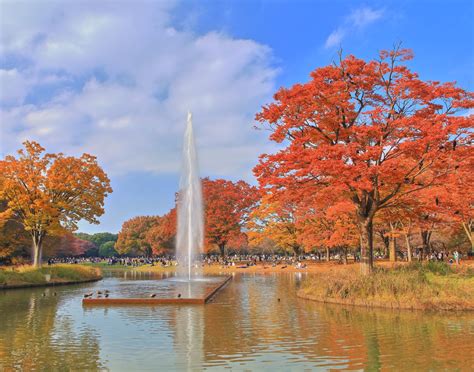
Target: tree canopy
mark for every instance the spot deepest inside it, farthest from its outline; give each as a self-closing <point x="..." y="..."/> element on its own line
<point x="48" y="194"/>
<point x="370" y="132"/>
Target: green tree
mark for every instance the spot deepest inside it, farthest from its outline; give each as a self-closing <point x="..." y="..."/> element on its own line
<point x="107" y="249"/>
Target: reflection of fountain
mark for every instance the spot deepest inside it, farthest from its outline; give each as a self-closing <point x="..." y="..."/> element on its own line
<point x="190" y="216"/>
<point x="188" y="337"/>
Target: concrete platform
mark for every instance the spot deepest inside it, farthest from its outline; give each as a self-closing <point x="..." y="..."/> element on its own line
<point x="159" y="300"/>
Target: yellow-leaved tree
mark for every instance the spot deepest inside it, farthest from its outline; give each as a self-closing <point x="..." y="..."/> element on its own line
<point x="275" y="220"/>
<point x="50" y="193"/>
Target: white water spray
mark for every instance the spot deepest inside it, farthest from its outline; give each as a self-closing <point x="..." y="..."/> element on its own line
<point x="189" y="240"/>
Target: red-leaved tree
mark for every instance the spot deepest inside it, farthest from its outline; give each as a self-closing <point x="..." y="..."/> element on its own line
<point x="227" y="206"/>
<point x="372" y="131"/>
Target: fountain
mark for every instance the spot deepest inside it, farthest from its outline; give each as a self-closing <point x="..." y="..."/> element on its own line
<point x="188" y="287"/>
<point x="189" y="238"/>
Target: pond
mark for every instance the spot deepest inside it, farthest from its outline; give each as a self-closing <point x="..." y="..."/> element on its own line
<point x="245" y="327"/>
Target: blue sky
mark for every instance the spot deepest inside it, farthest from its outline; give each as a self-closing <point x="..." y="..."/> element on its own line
<point x="115" y="79"/>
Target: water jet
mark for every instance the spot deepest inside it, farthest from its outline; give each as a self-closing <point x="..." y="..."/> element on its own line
<point x="188" y="287"/>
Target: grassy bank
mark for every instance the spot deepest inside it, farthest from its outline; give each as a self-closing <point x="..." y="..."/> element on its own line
<point x="108" y="267"/>
<point x="12" y="277"/>
<point x="431" y="286"/>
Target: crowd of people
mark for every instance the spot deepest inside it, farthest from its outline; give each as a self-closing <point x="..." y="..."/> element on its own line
<point x="247" y="260"/>
<point x="123" y="261"/>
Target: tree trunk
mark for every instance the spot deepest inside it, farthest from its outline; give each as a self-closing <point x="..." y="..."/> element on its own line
<point x="425" y="237"/>
<point x="148" y="252"/>
<point x="468" y="229"/>
<point x="222" y="249"/>
<point x="385" y="241"/>
<point x="392" y="245"/>
<point x="366" y="248"/>
<point x="392" y="249"/>
<point x="327" y="255"/>
<point x="37" y="249"/>
<point x="344" y="257"/>
<point x="296" y="250"/>
<point x="407" y="240"/>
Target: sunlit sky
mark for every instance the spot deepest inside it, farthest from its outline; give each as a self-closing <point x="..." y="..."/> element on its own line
<point x="115" y="79"/>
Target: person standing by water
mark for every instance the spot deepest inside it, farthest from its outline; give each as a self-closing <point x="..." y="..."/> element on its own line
<point x="456" y="257"/>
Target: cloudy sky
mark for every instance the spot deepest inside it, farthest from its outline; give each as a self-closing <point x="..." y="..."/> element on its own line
<point x="116" y="78"/>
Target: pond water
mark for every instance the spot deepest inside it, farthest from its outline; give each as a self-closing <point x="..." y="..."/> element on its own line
<point x="244" y="327"/>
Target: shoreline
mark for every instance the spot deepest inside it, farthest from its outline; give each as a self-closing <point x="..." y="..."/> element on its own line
<point x="50" y="276"/>
<point x="49" y="284"/>
<point x="380" y="305"/>
<point x="311" y="268"/>
<point x="427" y="287"/>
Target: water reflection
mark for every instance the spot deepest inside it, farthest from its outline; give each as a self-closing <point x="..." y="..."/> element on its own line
<point x="244" y="327"/>
<point x="33" y="331"/>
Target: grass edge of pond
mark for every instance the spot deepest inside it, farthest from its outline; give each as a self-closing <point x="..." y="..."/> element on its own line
<point x="28" y="276"/>
<point x="431" y="286"/>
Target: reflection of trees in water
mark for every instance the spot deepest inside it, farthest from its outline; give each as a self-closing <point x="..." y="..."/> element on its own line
<point x="247" y="319"/>
<point x="398" y="340"/>
<point x="32" y="337"/>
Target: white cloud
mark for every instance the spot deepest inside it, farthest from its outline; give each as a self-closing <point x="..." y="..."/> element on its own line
<point x="356" y="20"/>
<point x="364" y="16"/>
<point x="125" y="77"/>
<point x="335" y="38"/>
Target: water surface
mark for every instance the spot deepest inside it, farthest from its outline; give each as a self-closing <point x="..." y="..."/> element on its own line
<point x="245" y="327"/>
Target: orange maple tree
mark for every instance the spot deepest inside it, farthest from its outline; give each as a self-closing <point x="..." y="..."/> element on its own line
<point x="371" y="131"/>
<point x="457" y="203"/>
<point x="227" y="206"/>
<point x="275" y="220"/>
<point x="328" y="226"/>
<point x="132" y="238"/>
<point x="161" y="236"/>
<point x="13" y="238"/>
<point x="49" y="193"/>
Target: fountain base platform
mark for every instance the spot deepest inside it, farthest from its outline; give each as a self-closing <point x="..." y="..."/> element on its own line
<point x="195" y="300"/>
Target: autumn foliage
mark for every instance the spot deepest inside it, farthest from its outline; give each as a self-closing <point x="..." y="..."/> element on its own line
<point x="227" y="206"/>
<point x="371" y="133"/>
<point x="47" y="194"/>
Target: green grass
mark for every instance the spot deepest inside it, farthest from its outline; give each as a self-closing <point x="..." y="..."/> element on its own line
<point x="28" y="275"/>
<point x="435" y="286"/>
